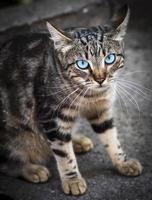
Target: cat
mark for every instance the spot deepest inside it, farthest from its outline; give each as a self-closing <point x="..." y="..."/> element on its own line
<point x="47" y="81"/>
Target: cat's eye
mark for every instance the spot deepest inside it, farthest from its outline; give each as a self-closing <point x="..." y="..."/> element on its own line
<point x="110" y="58"/>
<point x="82" y="64"/>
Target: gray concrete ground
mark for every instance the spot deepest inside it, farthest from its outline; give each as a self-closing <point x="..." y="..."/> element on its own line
<point x="133" y="118"/>
<point x="39" y="9"/>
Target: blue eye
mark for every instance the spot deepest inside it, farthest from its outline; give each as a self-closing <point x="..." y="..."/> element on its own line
<point x="82" y="64"/>
<point x="110" y="58"/>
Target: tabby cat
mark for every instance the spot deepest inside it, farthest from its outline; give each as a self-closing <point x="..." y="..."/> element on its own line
<point x="47" y="81"/>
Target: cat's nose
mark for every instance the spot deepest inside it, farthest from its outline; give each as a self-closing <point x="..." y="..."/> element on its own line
<point x="100" y="80"/>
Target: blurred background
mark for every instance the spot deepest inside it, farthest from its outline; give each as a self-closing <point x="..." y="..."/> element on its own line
<point x="133" y="110"/>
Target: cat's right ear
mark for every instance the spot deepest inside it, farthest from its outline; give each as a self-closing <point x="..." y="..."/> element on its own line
<point x="61" y="41"/>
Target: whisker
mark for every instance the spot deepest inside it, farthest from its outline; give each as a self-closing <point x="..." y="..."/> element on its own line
<point x="63" y="101"/>
<point x="75" y="100"/>
<point x="124" y="102"/>
<point x="128" y="73"/>
<point x="135" y="84"/>
<point x="130" y="98"/>
<point x="61" y="89"/>
<point x="137" y="90"/>
<point x="119" y="99"/>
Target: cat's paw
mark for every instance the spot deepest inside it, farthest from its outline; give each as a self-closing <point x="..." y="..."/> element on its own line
<point x="35" y="173"/>
<point x="131" y="167"/>
<point x="82" y="144"/>
<point x="75" y="186"/>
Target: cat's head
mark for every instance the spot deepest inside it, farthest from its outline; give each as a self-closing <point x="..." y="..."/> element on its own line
<point x="92" y="56"/>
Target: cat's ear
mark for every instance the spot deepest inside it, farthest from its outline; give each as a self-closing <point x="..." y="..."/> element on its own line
<point x="120" y="22"/>
<point x="61" y="41"/>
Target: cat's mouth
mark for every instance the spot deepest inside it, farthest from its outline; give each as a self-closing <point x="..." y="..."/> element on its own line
<point x="100" y="88"/>
<point x="101" y="85"/>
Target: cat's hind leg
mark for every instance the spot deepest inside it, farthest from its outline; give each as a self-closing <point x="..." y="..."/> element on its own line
<point x="81" y="143"/>
<point x="35" y="173"/>
<point x="31" y="172"/>
<point x="25" y="156"/>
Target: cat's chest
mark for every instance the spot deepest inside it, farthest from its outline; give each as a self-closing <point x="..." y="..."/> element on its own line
<point x="94" y="108"/>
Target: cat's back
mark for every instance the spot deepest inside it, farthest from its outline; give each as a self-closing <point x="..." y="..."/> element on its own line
<point x="25" y="42"/>
<point x="23" y="54"/>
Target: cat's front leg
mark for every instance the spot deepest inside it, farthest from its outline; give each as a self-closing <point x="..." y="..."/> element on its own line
<point x="104" y="126"/>
<point x="61" y="145"/>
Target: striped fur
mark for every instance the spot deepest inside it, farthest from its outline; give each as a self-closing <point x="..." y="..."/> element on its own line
<point x="43" y="92"/>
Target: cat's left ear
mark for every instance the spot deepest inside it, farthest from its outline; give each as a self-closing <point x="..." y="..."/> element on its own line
<point x="120" y="22"/>
<point x="61" y="41"/>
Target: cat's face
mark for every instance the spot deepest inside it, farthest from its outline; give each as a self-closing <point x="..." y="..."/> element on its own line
<point x="92" y="56"/>
<point x="94" y="59"/>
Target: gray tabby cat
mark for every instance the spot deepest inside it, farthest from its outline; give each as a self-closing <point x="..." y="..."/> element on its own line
<point x="45" y="85"/>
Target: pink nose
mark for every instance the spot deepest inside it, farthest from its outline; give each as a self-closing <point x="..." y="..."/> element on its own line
<point x="100" y="80"/>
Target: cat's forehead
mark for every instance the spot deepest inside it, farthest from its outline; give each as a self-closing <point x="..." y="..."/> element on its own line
<point x="93" y="41"/>
<point x="89" y="35"/>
